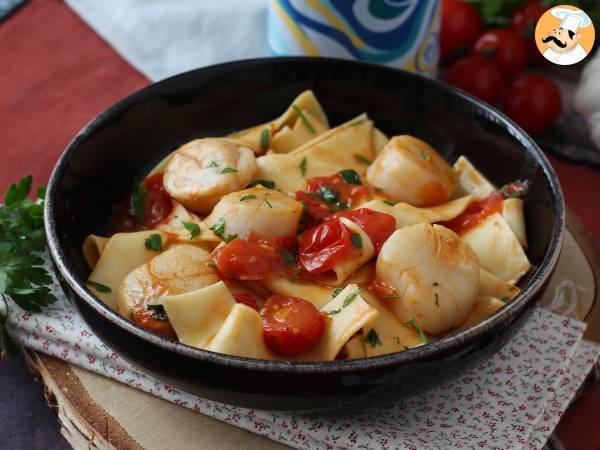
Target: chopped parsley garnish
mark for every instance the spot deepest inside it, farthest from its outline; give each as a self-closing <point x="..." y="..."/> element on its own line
<point x="334" y="312"/>
<point x="158" y="312"/>
<point x="264" y="139"/>
<point x="424" y="154"/>
<point x="437" y="300"/>
<point x="336" y="292"/>
<point x="372" y="338"/>
<point x="350" y="176"/>
<point x="350" y="298"/>
<point x="99" y="286"/>
<point x="137" y="203"/>
<point x="387" y="202"/>
<point x="247" y="197"/>
<point x="193" y="228"/>
<point x="356" y="240"/>
<point x="389" y="297"/>
<point x="328" y="194"/>
<point x="154" y="243"/>
<point x="219" y="229"/>
<point x="213" y="164"/>
<point x="419" y="330"/>
<point x="268" y="203"/>
<point x="435" y="283"/>
<point x="228" y="170"/>
<point x="504" y="299"/>
<point x="211" y="263"/>
<point x="362" y="159"/>
<point x="23" y="277"/>
<point x="305" y="121"/>
<point x="230" y="237"/>
<point x="303" y="167"/>
<point x="288" y="257"/>
<point x="266" y="183"/>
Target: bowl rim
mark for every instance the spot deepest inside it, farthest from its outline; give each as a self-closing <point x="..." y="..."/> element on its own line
<point x="421" y="353"/>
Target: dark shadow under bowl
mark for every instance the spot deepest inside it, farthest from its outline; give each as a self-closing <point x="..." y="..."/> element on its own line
<point x="99" y="166"/>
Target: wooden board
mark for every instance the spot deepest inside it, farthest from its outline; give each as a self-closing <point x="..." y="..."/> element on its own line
<point x="96" y="412"/>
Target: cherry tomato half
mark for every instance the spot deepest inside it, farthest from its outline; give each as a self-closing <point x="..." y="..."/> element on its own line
<point x="315" y="210"/>
<point x="291" y="325"/>
<point x="246" y="299"/>
<point x="321" y="247"/>
<point x="146" y="319"/>
<point x="505" y="48"/>
<point x="460" y="26"/>
<point x="244" y="260"/>
<point x="378" y="226"/>
<point x="477" y="76"/>
<point x="347" y="193"/>
<point x="475" y="213"/>
<point x="533" y="101"/>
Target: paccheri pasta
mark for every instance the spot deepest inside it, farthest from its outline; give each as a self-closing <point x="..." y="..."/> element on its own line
<point x="293" y="240"/>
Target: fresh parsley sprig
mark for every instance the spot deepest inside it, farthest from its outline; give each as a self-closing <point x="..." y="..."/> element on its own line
<point x="22" y="241"/>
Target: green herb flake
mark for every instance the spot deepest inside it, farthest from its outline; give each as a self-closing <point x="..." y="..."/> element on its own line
<point x="158" y="312"/>
<point x="305" y="121"/>
<point x="193" y="228"/>
<point x="372" y="338"/>
<point x="437" y="300"/>
<point x="334" y="312"/>
<point x="245" y="198"/>
<point x="303" y="167"/>
<point x="356" y="240"/>
<point x="99" y="286"/>
<point x="389" y="297"/>
<point x="154" y="243"/>
<point x="350" y="176"/>
<point x="435" y="283"/>
<point x="288" y="257"/>
<point x="512" y="288"/>
<point x="504" y="299"/>
<point x="350" y="298"/>
<point x="230" y="237"/>
<point x="137" y="202"/>
<point x="362" y="159"/>
<point x="336" y="292"/>
<point x="328" y="194"/>
<point x="268" y="203"/>
<point x="219" y="228"/>
<point x="212" y="264"/>
<point x="412" y="322"/>
<point x="228" y="170"/>
<point x="266" y="183"/>
<point x="387" y="202"/>
<point x="264" y="139"/>
<point x="213" y="164"/>
<point x="291" y="280"/>
<point x="424" y="154"/>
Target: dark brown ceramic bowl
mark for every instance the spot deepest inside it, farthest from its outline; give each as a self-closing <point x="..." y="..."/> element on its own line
<point x="124" y="142"/>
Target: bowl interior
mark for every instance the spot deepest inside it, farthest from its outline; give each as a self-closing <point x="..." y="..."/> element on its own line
<point x="127" y="140"/>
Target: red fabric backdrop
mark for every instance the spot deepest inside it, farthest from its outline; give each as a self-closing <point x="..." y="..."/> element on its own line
<point x="56" y="74"/>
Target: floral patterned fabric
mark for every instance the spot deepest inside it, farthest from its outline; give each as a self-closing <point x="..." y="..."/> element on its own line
<point x="512" y="400"/>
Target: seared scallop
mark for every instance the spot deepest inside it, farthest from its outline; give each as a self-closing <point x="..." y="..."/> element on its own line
<point x="267" y="212"/>
<point x="202" y="171"/>
<point x="435" y="273"/>
<point x="182" y="268"/>
<point x="409" y="170"/>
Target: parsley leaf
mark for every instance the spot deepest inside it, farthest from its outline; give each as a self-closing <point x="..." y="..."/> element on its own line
<point x="99" y="286"/>
<point x="335" y="292"/>
<point x="213" y="164"/>
<point x="362" y="159"/>
<point x="350" y="298"/>
<point x="303" y="167"/>
<point x="333" y="312"/>
<point x="419" y="330"/>
<point x="228" y="170"/>
<point x="154" y="243"/>
<point x="356" y="240"/>
<point x="388" y="297"/>
<point x="372" y="338"/>
<point x="264" y="139"/>
<point x="268" y="203"/>
<point x="350" y="176"/>
<point x="307" y="124"/>
<point x="219" y="227"/>
<point x="193" y="228"/>
<point x="247" y="197"/>
<point x="424" y="154"/>
<point x="288" y="257"/>
<point x="437" y="299"/>
<point x="22" y="240"/>
<point x="266" y="183"/>
<point x="158" y="312"/>
<point x="387" y="202"/>
<point x="328" y="194"/>
<point x="137" y="202"/>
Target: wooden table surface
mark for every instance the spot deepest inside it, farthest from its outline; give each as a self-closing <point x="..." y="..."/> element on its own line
<point x="56" y="74"/>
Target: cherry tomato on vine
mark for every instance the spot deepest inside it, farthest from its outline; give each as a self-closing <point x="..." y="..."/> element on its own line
<point x="533" y="101"/>
<point x="460" y="26"/>
<point x="505" y="48"/>
<point x="477" y="76"/>
<point x="523" y="21"/>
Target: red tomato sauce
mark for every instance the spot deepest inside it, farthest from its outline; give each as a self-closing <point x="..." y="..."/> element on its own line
<point x="158" y="205"/>
<point x="475" y="213"/>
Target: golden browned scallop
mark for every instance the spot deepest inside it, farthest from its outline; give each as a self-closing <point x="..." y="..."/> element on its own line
<point x="199" y="173"/>
<point x="267" y="212"/>
<point x="182" y="268"/>
<point x="409" y="170"/>
<point x="435" y="273"/>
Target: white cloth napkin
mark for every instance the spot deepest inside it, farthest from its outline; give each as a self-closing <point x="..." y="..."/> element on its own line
<point x="161" y="38"/>
<point x="513" y="400"/>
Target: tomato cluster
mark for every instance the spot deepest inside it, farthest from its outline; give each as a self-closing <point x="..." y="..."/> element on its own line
<point x="490" y="63"/>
